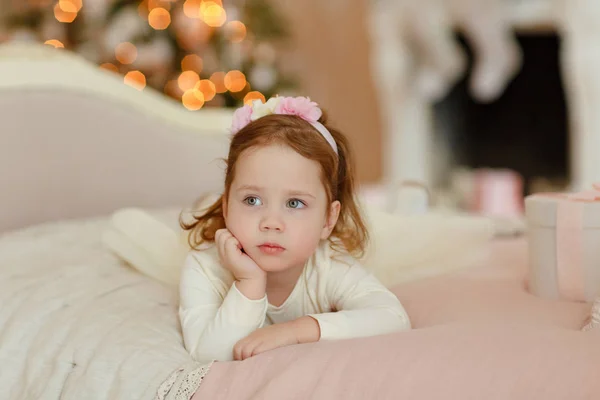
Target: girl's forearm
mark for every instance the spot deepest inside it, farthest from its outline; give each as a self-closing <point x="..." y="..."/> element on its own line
<point x="307" y="329"/>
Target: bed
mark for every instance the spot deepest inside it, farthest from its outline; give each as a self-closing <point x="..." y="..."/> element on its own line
<point x="76" y="321"/>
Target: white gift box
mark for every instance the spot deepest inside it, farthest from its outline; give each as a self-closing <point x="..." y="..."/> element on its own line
<point x="564" y="245"/>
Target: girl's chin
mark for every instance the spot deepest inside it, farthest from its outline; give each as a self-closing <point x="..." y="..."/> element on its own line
<point x="270" y="263"/>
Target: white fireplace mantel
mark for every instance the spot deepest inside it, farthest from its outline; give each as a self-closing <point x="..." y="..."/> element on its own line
<point x="408" y="150"/>
<point x="533" y="15"/>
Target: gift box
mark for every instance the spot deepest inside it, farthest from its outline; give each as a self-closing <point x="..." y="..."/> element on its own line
<point x="564" y="244"/>
<point x="498" y="193"/>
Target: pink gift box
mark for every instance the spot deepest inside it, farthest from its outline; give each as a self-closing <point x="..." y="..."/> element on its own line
<point x="498" y="193"/>
<point x="564" y="245"/>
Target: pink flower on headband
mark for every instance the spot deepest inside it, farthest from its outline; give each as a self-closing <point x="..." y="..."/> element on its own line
<point x="241" y="118"/>
<point x="300" y="106"/>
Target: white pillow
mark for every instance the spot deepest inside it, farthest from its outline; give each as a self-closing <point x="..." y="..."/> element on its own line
<point x="409" y="247"/>
<point x="151" y="242"/>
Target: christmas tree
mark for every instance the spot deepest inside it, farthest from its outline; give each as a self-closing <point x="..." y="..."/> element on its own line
<point x="201" y="52"/>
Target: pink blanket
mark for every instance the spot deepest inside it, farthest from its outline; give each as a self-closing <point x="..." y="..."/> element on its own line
<point x="478" y="335"/>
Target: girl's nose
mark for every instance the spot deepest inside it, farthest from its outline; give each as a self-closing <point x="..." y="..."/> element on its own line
<point x="271" y="222"/>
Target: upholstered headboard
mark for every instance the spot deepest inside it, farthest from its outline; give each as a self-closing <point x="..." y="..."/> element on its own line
<point x="76" y="142"/>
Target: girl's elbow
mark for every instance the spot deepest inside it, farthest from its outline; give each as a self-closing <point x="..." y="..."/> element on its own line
<point x="206" y="355"/>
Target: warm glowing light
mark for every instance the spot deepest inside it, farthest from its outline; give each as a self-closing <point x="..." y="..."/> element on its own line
<point x="159" y="19"/>
<point x="251" y="96"/>
<point x="191" y="8"/>
<point x="70" y="6"/>
<point x="56" y="43"/>
<point x="126" y="53"/>
<point x="187" y="80"/>
<point x="213" y="14"/>
<point x="207" y="88"/>
<point x="218" y="78"/>
<point x="235" y="31"/>
<point x="143" y="9"/>
<point x="193" y="99"/>
<point x="135" y="79"/>
<point x="235" y="81"/>
<point x="192" y="62"/>
<point x="63" y="16"/>
<point x="109" y="67"/>
<point x="205" y="4"/>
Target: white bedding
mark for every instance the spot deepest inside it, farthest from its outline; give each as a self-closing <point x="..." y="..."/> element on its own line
<point x="76" y="323"/>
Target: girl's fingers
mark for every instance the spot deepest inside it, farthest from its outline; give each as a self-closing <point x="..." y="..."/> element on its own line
<point x="247" y="350"/>
<point x="223" y="236"/>
<point x="232" y="247"/>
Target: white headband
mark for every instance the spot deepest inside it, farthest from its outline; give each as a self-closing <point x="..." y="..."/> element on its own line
<point x="326" y="134"/>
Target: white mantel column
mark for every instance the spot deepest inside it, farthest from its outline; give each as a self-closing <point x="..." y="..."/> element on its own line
<point x="580" y="28"/>
<point x="405" y="114"/>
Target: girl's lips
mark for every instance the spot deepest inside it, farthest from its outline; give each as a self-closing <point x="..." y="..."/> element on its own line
<point x="271" y="248"/>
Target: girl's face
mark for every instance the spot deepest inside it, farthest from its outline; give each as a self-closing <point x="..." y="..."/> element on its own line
<point x="277" y="207"/>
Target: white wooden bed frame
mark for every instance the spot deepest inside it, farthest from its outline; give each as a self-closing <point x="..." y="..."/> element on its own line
<point x="75" y="141"/>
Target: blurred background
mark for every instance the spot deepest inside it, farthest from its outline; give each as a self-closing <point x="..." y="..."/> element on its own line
<point x="467" y="96"/>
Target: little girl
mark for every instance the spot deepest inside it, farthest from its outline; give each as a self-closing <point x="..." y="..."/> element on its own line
<point x="272" y="261"/>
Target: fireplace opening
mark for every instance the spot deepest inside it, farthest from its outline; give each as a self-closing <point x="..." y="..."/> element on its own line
<point x="526" y="129"/>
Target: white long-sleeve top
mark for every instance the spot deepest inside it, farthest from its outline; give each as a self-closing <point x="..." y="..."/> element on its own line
<point x="346" y="300"/>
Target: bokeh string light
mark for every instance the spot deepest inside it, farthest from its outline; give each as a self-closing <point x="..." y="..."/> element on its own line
<point x="192" y="62"/>
<point x="126" y="53"/>
<point x="70" y="6"/>
<point x="110" y="67"/>
<point x="218" y="79"/>
<point x="64" y="16"/>
<point x="234" y="81"/>
<point x="235" y="31"/>
<point x="159" y="18"/>
<point x="191" y="8"/>
<point x="135" y="79"/>
<point x="193" y="99"/>
<point x="187" y="80"/>
<point x="207" y="88"/>
<point x="55" y="43"/>
<point x="213" y="14"/>
<point x="251" y="96"/>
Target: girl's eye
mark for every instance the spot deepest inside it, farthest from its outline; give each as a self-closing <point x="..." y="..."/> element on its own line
<point x="252" y="201"/>
<point x="295" y="203"/>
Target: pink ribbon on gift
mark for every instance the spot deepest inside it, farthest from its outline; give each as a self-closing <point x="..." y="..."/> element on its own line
<point x="569" y="243"/>
<point x="587" y="195"/>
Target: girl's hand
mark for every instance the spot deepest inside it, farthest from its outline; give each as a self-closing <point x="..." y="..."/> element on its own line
<point x="302" y="330"/>
<point x="264" y="339"/>
<point x="235" y="260"/>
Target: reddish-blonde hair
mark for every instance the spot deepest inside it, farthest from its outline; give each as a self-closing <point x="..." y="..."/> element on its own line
<point x="337" y="175"/>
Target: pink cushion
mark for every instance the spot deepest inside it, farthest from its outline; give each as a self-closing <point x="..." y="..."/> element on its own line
<point x="478" y="334"/>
